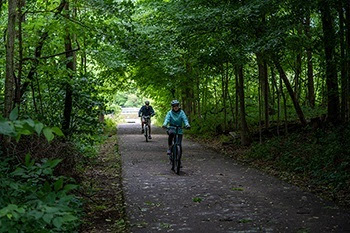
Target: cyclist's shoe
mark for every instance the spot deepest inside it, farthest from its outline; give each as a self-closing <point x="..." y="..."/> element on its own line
<point x="169" y="155"/>
<point x="149" y="137"/>
<point x="142" y="131"/>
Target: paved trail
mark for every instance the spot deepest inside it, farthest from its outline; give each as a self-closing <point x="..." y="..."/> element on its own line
<point x="229" y="197"/>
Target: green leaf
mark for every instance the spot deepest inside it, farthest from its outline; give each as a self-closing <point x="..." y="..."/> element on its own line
<point x="47" y="218"/>
<point x="38" y="127"/>
<point x="18" y="172"/>
<point x="30" y="122"/>
<point x="52" y="210"/>
<point x="36" y="214"/>
<point x="7" y="128"/>
<point x="21" y="210"/>
<point x="58" y="184"/>
<point x="53" y="163"/>
<point x="14" y="114"/>
<point x="57" y="222"/>
<point x="48" y="134"/>
<point x="197" y="199"/>
<point x="27" y="160"/>
<point x="25" y="132"/>
<point x="57" y="131"/>
<point x="69" y="187"/>
<point x="46" y="187"/>
<point x="69" y="218"/>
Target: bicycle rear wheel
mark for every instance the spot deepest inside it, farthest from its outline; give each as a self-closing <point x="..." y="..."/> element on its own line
<point x="146" y="133"/>
<point x="172" y="158"/>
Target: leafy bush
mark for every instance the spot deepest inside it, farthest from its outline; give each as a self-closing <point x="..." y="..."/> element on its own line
<point x="16" y="128"/>
<point x="323" y="155"/>
<point x="32" y="199"/>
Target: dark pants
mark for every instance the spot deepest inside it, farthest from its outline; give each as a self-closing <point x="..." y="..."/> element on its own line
<point x="171" y="139"/>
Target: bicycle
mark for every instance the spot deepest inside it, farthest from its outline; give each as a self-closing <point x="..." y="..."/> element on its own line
<point x="147" y="121"/>
<point x="176" y="151"/>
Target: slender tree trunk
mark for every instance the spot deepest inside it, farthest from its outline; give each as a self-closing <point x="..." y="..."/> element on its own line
<point x="291" y="93"/>
<point x="285" y="108"/>
<point x="331" y="69"/>
<point x="68" y="104"/>
<point x="297" y="74"/>
<point x="245" y="134"/>
<point x="34" y="100"/>
<point x="20" y="54"/>
<point x="37" y="52"/>
<point x="224" y="96"/>
<point x="278" y="99"/>
<point x="347" y="49"/>
<point x="10" y="50"/>
<point x="344" y="81"/>
<point x="260" y="111"/>
<point x="237" y="100"/>
<point x="310" y="71"/>
<point x="263" y="77"/>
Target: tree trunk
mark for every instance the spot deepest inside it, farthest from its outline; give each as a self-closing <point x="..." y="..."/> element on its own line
<point x="68" y="104"/>
<point x="331" y="69"/>
<point x="297" y="74"/>
<point x="245" y="135"/>
<point x="21" y="17"/>
<point x="38" y="50"/>
<point x="274" y="81"/>
<point x="10" y="49"/>
<point x="260" y="111"/>
<point x="310" y="71"/>
<point x="263" y="77"/>
<point x="290" y="91"/>
<point x="344" y="81"/>
<point x="285" y="108"/>
<point x="347" y="48"/>
<point x="237" y="101"/>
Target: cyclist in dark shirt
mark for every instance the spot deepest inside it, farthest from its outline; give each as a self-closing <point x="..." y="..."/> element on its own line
<point x="146" y="110"/>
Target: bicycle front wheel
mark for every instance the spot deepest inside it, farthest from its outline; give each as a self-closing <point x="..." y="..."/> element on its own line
<point x="178" y="159"/>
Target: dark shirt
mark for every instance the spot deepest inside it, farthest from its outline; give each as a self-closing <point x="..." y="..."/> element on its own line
<point x="146" y="111"/>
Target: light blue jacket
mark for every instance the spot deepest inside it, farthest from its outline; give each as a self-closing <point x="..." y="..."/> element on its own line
<point x="176" y="119"/>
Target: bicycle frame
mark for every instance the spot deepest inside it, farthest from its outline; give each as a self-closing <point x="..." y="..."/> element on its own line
<point x="176" y="150"/>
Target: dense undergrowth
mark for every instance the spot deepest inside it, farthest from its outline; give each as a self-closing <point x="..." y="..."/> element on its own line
<point x="37" y="188"/>
<point x="42" y="175"/>
<point x="321" y="157"/>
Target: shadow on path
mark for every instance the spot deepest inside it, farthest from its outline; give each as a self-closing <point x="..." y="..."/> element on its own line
<point x="213" y="193"/>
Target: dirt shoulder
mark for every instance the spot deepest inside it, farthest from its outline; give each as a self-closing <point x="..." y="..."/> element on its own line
<point x="213" y="193"/>
<point x="103" y="193"/>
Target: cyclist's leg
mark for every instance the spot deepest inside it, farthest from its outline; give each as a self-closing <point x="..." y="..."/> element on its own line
<point x="142" y="125"/>
<point x="149" y="127"/>
<point x="170" y="142"/>
<point x="180" y="136"/>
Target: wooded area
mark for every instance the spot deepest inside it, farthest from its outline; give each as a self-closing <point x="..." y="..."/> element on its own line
<point x="259" y="68"/>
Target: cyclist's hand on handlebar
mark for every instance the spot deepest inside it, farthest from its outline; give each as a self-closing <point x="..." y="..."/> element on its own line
<point x="164" y="127"/>
<point x="187" y="126"/>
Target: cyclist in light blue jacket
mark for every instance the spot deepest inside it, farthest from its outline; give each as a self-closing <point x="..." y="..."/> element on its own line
<point x="175" y="117"/>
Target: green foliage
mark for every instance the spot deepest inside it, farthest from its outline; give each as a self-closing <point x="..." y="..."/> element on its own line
<point x="32" y="199"/>
<point x="16" y="128"/>
<point x="322" y="155"/>
<point x="197" y="199"/>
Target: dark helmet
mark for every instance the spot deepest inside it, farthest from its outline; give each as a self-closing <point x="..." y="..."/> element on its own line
<point x="175" y="102"/>
<point x="147" y="102"/>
